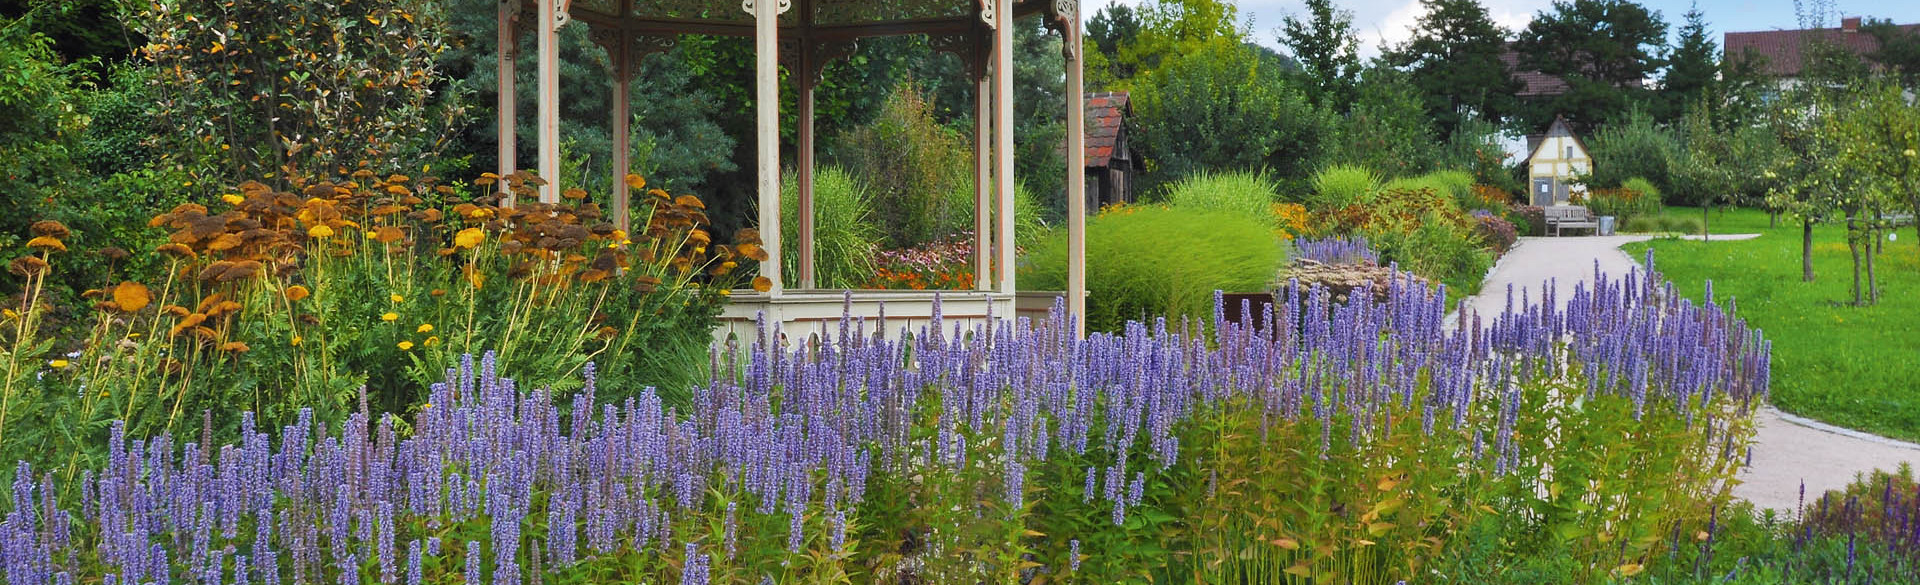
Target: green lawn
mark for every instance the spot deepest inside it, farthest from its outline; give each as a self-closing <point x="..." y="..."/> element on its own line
<point x="1850" y="366"/>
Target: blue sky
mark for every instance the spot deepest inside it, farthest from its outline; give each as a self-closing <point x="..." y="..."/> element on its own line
<point x="1385" y="22"/>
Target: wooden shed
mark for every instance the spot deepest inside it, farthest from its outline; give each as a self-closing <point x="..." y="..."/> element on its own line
<point x="1111" y="164"/>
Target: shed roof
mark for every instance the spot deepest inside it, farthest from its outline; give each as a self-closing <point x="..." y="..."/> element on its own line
<point x="1535" y="83"/>
<point x="1106" y="120"/>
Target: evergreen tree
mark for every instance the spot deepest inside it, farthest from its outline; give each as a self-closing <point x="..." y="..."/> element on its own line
<point x="1604" y="49"/>
<point x="1328" y="52"/>
<point x="1899" y="50"/>
<point x="1692" y="67"/>
<point x="1454" y="60"/>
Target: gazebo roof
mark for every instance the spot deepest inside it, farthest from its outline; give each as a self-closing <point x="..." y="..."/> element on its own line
<point x="844" y="19"/>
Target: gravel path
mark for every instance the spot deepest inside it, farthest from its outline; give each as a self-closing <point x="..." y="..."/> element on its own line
<point x="1788" y="449"/>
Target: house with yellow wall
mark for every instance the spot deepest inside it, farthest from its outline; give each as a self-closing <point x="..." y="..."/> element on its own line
<point x="1557" y="158"/>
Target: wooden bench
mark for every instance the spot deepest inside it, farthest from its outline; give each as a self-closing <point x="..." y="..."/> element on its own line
<point x="1561" y="217"/>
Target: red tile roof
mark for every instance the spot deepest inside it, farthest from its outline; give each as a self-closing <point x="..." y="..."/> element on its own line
<point x="1106" y="118"/>
<point x="1781" y="48"/>
<point x="1537" y="84"/>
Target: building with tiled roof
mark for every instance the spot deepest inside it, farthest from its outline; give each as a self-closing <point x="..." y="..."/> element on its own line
<point x="1110" y="161"/>
<point x="1780" y="50"/>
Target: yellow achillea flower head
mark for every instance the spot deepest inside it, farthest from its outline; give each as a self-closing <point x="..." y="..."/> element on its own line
<point x="390" y="317"/>
<point x="320" y="231"/>
<point x="470" y="237"/>
<point x="58" y="364"/>
<point x="405" y="346"/>
<point x="232" y="199"/>
<point x="424" y="328"/>
<point x="396" y="298"/>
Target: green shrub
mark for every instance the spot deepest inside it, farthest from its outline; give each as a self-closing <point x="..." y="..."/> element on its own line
<point x="1456" y="185"/>
<point x="1342" y="185"/>
<point x="1240" y="192"/>
<point x="1641" y="186"/>
<point x="916" y="171"/>
<point x="1635" y="147"/>
<point x="1681" y="225"/>
<point x="1144" y="262"/>
<point x="1642" y="224"/>
<point x="844" y="234"/>
<point x="1436" y="247"/>
<point x="1218" y="107"/>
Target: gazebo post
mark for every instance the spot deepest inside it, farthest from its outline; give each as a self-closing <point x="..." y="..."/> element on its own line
<point x="622" y="119"/>
<point x="804" y="172"/>
<point x="549" y="35"/>
<point x="766" y="52"/>
<point x="1076" y="172"/>
<point x="982" y="164"/>
<point x="509" y="50"/>
<point x="1003" y="137"/>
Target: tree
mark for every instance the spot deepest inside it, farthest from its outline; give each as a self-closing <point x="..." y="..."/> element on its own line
<point x="1170" y="28"/>
<point x="1387" y="130"/>
<point x="1885" y="132"/>
<point x="1453" y="58"/>
<point x="1633" y="146"/>
<point x="1704" y="170"/>
<point x="1694" y="65"/>
<point x="1604" y="49"/>
<point x="1328" y="52"/>
<point x="1899" y="50"/>
<point x="1218" y="108"/>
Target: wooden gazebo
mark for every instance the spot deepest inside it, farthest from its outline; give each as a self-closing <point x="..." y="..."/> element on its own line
<point x="803" y="36"/>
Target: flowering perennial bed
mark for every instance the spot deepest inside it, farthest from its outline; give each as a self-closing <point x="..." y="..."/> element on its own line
<point x="1324" y="442"/>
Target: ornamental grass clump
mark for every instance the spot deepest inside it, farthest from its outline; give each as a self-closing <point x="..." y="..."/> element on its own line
<point x="275" y="301"/>
<point x="1319" y="442"/>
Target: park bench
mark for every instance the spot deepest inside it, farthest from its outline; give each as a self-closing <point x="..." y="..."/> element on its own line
<point x="1562" y="217"/>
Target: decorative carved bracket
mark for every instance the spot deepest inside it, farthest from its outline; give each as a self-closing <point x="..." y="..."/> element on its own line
<point x="972" y="49"/>
<point x="782" y="8"/>
<point x="987" y="15"/>
<point x="816" y="58"/>
<point x="1063" y="17"/>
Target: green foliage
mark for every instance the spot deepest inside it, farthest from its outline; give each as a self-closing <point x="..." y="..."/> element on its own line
<point x="917" y="171"/>
<point x="844" y="234"/>
<point x="1636" y="147"/>
<point x="345" y="83"/>
<point x="1342" y="185"/>
<point x="1243" y="193"/>
<point x="1452" y="184"/>
<point x="1453" y="58"/>
<point x="1218" y="108"/>
<point x="1602" y="48"/>
<point x="1899" y="49"/>
<point x="1327" y="50"/>
<point x="1152" y="261"/>
<point x="1832" y="362"/>
<point x="1437" y="246"/>
<point x="1387" y="128"/>
<point x="1641" y="186"/>
<point x="1693" y="66"/>
<point x="1147" y="36"/>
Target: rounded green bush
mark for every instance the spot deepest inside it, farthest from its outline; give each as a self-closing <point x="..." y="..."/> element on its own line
<point x="1151" y="261"/>
<point x="1239" y="192"/>
<point x="1641" y="224"/>
<point x="1342" y="185"/>
<point x="1682" y="225"/>
<point x="1643" y="186"/>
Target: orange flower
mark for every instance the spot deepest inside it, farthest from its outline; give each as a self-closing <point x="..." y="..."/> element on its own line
<point x="297" y="292"/>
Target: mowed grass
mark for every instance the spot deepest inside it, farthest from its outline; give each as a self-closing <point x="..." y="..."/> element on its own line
<point x="1857" y="367"/>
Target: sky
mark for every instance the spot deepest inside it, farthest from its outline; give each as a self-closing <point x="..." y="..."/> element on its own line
<point x="1385" y="22"/>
